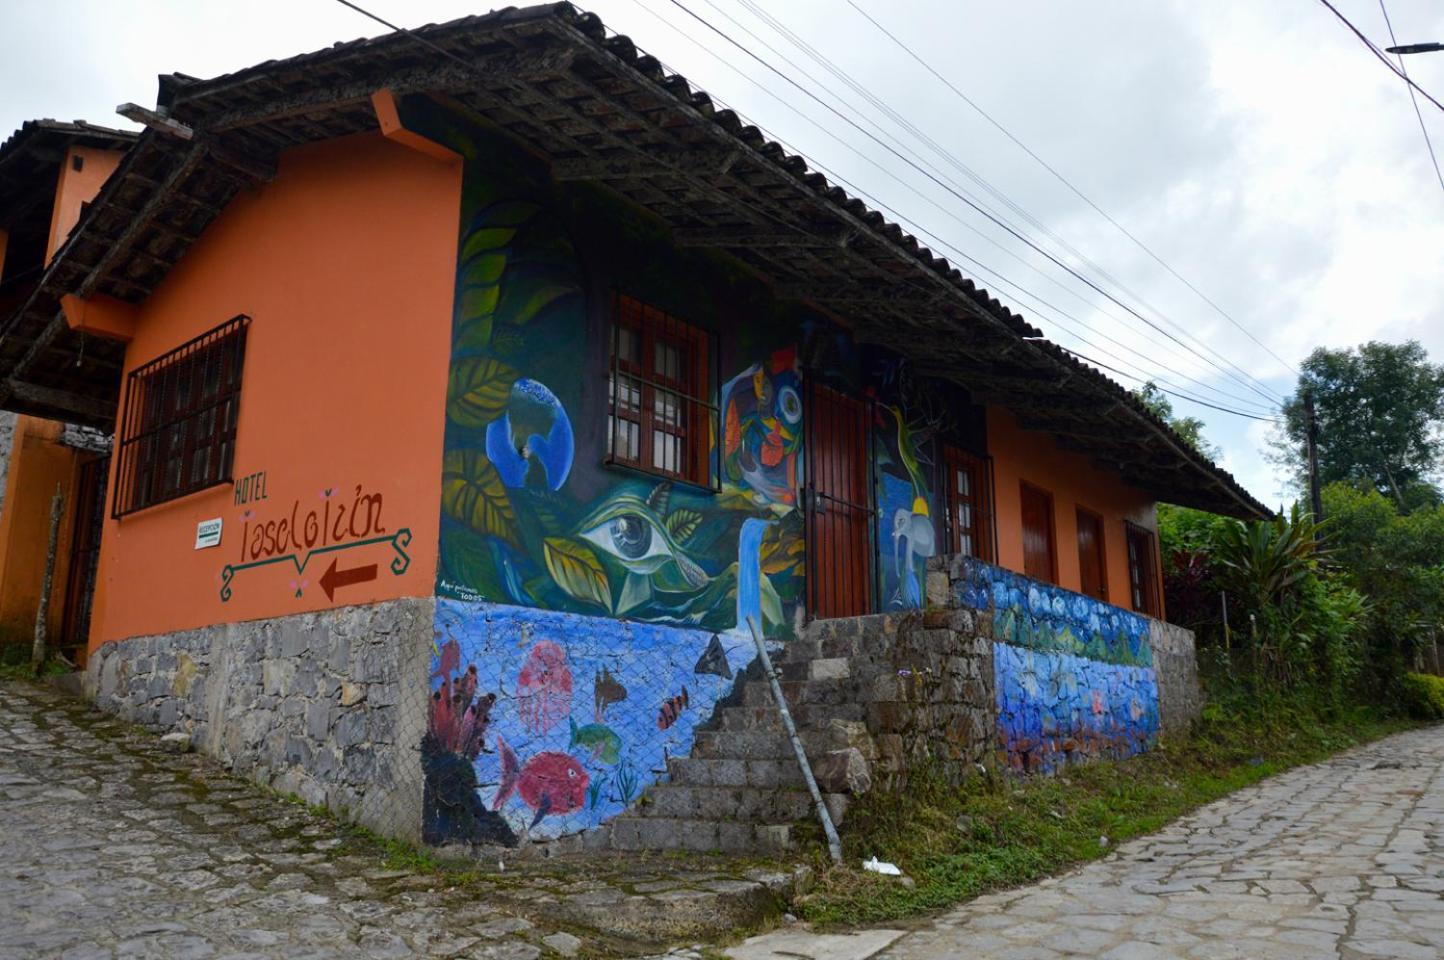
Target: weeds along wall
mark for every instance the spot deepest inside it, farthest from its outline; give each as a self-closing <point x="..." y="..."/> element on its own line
<point x="592" y="615"/>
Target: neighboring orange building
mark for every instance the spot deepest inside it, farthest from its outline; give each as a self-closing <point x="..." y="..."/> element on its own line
<point x="49" y="172"/>
<point x="549" y="376"/>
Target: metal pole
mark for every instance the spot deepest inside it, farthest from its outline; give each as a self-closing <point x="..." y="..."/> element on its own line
<point x="1316" y="499"/>
<point x="834" y="843"/>
<point x="37" y="652"/>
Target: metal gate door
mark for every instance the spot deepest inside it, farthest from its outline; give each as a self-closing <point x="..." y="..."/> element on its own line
<point x="839" y="506"/>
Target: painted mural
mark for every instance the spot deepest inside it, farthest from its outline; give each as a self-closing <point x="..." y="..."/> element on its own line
<point x="590" y="616"/>
<point x="1073" y="675"/>
<point x="546" y="723"/>
<point x="906" y="534"/>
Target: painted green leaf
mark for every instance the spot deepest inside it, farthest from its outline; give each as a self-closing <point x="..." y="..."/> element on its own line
<point x="525" y="295"/>
<point x="682" y="523"/>
<point x="478" y="301"/>
<point x="467" y="562"/>
<point x="473" y="337"/>
<point x="485" y="268"/>
<point x="576" y="569"/>
<point x="771" y="603"/>
<point x="472" y="493"/>
<point x="478" y="390"/>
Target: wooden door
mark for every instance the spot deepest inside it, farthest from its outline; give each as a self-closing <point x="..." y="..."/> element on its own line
<point x="839" y="506"/>
<point x="1092" y="572"/>
<point x="89" y="517"/>
<point x="1143" y="571"/>
<point x="1039" y="557"/>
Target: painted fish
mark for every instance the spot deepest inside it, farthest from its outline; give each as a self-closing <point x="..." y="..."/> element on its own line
<point x="450" y="659"/>
<point x="600" y="739"/>
<point x="607" y="691"/>
<point x="544" y="687"/>
<point x="550" y="783"/>
<point x="671" y="709"/>
<point x="714" y="660"/>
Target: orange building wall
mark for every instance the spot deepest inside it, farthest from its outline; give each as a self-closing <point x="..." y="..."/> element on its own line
<point x="346" y="264"/>
<point x="38" y="465"/>
<point x="1029" y="456"/>
<point x="77" y="187"/>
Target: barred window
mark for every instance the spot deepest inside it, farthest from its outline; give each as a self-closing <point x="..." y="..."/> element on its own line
<point x="660" y="414"/>
<point x="178" y="424"/>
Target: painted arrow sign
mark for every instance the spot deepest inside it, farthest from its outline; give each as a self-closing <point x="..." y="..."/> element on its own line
<point x="334" y="578"/>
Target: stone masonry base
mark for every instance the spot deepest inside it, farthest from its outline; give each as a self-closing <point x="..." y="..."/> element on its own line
<point x="329" y="706"/>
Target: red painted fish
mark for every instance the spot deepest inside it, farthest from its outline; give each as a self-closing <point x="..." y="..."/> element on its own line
<point x="671" y="709"/>
<point x="450" y="659"/>
<point x="549" y="783"/>
<point x="544" y="687"/>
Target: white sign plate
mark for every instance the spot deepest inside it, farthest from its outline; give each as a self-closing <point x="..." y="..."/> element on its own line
<point x="208" y="533"/>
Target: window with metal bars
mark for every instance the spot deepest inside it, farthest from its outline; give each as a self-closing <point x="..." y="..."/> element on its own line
<point x="178" y="422"/>
<point x="969" y="488"/>
<point x="1143" y="570"/>
<point x="660" y="414"/>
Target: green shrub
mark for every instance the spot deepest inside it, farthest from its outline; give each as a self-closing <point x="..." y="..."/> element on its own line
<point x="1423" y="695"/>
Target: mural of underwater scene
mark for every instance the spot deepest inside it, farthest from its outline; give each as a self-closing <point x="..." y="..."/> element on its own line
<point x="547" y="723"/>
<point x="1040" y="616"/>
<point x="1055" y="707"/>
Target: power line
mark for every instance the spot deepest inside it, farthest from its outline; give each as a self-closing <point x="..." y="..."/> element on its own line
<point x="1257" y="385"/>
<point x="1169" y="392"/>
<point x="995" y="220"/>
<point x="1413" y="97"/>
<point x="951" y="214"/>
<point x="1020" y="292"/>
<point x="1069" y="184"/>
<point x="1379" y="54"/>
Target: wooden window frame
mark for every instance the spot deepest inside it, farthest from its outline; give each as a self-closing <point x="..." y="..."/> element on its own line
<point x="1023" y="487"/>
<point x="695" y="428"/>
<point x="984" y="528"/>
<point x="1145" y="592"/>
<point x="1102" y="528"/>
<point x="177" y="431"/>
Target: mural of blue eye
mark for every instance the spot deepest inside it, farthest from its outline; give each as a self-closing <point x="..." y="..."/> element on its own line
<point x="633" y="538"/>
<point x="789" y="405"/>
<point x="631" y="535"/>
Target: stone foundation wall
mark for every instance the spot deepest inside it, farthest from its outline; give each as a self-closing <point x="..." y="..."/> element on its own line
<point x="1180" y="697"/>
<point x="329" y="706"/>
<point x="906" y="689"/>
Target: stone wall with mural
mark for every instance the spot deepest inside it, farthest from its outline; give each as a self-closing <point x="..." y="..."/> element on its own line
<point x="1074" y="677"/>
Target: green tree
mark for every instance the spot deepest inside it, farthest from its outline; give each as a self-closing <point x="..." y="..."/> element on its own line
<point x="1189" y="428"/>
<point x="1380" y="408"/>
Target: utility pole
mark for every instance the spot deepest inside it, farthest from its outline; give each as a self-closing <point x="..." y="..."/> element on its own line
<point x="1316" y="499"/>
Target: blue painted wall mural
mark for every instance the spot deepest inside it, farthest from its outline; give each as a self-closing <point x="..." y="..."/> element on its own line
<point x="1073" y="676"/>
<point x="546" y="723"/>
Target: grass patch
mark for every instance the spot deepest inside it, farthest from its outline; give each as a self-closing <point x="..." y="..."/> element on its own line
<point x="957" y="842"/>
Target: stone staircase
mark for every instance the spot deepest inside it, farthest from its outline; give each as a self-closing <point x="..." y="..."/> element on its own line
<point x="741" y="790"/>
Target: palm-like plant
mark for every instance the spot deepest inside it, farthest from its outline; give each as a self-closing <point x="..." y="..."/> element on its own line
<point x="1264" y="560"/>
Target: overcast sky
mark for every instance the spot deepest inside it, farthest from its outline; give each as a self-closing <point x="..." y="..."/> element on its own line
<point x="1254" y="145"/>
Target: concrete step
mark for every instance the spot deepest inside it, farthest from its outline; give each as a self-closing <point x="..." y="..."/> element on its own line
<point x="845" y="637"/>
<point x="807" y="715"/>
<point x="674" y="802"/>
<point x="768" y="744"/>
<point x="707" y="772"/>
<point x="635" y="833"/>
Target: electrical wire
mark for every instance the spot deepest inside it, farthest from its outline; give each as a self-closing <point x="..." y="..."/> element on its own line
<point x="1379" y="54"/>
<point x="1069" y="184"/>
<point x="1019" y="292"/>
<point x="1413" y="97"/>
<point x="995" y="220"/>
<point x="951" y="214"/>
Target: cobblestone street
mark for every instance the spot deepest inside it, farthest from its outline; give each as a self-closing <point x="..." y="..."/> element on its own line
<point x="110" y="847"/>
<point x="1343" y="859"/>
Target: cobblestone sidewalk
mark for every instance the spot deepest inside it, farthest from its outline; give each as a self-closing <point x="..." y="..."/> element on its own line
<point x="1344" y="859"/>
<point x="110" y="847"/>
